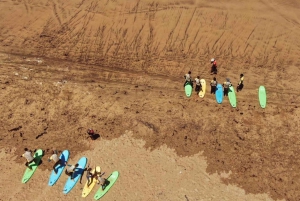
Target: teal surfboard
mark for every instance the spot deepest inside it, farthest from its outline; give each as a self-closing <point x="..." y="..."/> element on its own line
<point x="78" y="172"/>
<point x="109" y="183"/>
<point x="232" y="96"/>
<point x="188" y="89"/>
<point x="28" y="173"/>
<point x="64" y="156"/>
<point x="219" y="93"/>
<point x="262" y="96"/>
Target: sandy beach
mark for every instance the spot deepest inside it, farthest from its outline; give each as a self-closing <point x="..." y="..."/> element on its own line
<point x="145" y="175"/>
<point x="117" y="66"/>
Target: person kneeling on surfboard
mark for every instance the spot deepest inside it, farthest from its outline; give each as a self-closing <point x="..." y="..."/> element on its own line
<point x="56" y="159"/>
<point x="102" y="181"/>
<point x="70" y="170"/>
<point x="188" y="79"/>
<point x="213" y="86"/>
<point x="29" y="157"/>
<point x="240" y="84"/>
<point x="89" y="175"/>
<point x="98" y="176"/>
<point x="198" y="85"/>
<point x="226" y="86"/>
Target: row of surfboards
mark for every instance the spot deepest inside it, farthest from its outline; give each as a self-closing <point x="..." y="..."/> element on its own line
<point x="262" y="95"/>
<point x="77" y="175"/>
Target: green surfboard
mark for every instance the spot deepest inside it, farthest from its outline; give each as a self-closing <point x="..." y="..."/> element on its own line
<point x="110" y="182"/>
<point x="231" y="96"/>
<point x="262" y="96"/>
<point x="28" y="173"/>
<point x="188" y="89"/>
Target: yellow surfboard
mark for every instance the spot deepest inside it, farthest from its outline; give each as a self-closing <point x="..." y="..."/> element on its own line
<point x="87" y="189"/>
<point x="202" y="92"/>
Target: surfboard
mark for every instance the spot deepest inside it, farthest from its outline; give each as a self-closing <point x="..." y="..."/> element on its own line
<point x="202" y="92"/>
<point x="262" y="96"/>
<point x="232" y="96"/>
<point x="64" y="156"/>
<point x="219" y="93"/>
<point x="188" y="89"/>
<point x="87" y="189"/>
<point x="78" y="172"/>
<point x="28" y="173"/>
<point x="110" y="182"/>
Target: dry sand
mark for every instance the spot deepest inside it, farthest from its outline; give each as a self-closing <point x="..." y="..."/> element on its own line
<point x="119" y="65"/>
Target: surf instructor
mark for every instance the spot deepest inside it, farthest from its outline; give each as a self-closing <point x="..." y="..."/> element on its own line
<point x="214" y="69"/>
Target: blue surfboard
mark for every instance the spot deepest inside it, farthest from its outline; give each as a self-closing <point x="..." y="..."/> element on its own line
<point x="219" y="93"/>
<point x="78" y="172"/>
<point x="64" y="156"/>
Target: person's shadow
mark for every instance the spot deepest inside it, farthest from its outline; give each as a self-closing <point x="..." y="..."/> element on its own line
<point x="38" y="158"/>
<point x="105" y="184"/>
<point x="84" y="170"/>
<point x="95" y="136"/>
<point x="78" y="173"/>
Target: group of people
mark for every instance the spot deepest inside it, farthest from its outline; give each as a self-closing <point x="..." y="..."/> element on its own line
<point x="213" y="83"/>
<point x="70" y="169"/>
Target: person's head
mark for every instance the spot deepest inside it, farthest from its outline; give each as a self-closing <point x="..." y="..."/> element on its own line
<point x="212" y="60"/>
<point x="241" y="75"/>
<point x="89" y="169"/>
<point x="25" y="149"/>
<point x="190" y="72"/>
<point x="76" y="165"/>
<point x="227" y="79"/>
<point x="198" y="77"/>
<point x="215" y="79"/>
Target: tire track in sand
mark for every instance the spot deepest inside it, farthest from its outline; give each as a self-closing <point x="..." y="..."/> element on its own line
<point x="54" y="4"/>
<point x="26" y="6"/>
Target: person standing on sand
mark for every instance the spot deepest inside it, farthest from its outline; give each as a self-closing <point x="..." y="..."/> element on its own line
<point x="241" y="83"/>
<point x="188" y="78"/>
<point x="70" y="170"/>
<point x="213" y="86"/>
<point x="226" y="86"/>
<point x="198" y="85"/>
<point x="214" y="69"/>
<point x="56" y="159"/>
<point x="29" y="157"/>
